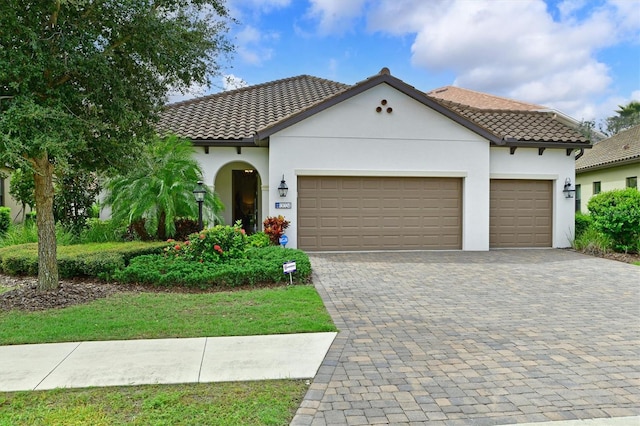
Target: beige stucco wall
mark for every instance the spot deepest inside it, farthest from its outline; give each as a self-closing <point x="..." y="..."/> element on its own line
<point x="8" y="201"/>
<point x="611" y="178"/>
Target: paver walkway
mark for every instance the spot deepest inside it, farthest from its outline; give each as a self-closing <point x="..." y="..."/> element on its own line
<point x="483" y="338"/>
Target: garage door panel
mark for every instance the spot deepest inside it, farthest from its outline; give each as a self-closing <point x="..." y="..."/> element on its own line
<point x="382" y="213"/>
<point x="521" y="213"/>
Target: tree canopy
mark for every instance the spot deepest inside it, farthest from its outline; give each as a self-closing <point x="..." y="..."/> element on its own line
<point x="82" y="81"/>
<point x="628" y="116"/>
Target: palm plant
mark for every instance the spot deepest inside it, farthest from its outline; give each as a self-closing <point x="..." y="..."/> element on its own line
<point x="159" y="189"/>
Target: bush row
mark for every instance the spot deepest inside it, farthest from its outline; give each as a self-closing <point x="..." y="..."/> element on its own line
<point x="613" y="223"/>
<point x="262" y="265"/>
<point x="86" y="260"/>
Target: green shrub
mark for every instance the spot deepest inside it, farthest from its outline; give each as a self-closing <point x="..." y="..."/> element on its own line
<point x="218" y="244"/>
<point x="19" y="259"/>
<point x="259" y="239"/>
<point x="263" y="265"/>
<point x="5" y="220"/>
<point x="592" y="241"/>
<point x="617" y="214"/>
<point x="27" y="232"/>
<point x="102" y="231"/>
<point x="99" y="260"/>
<point x="583" y="221"/>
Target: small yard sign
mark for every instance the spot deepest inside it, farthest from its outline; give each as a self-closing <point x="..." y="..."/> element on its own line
<point x="289" y="268"/>
<point x="283" y="240"/>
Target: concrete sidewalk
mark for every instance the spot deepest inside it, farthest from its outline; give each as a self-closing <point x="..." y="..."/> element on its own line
<point x="164" y="361"/>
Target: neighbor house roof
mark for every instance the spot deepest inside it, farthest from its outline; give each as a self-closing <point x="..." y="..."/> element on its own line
<point x="250" y="115"/>
<point x="520" y="125"/>
<point x="480" y="100"/>
<point x="622" y="148"/>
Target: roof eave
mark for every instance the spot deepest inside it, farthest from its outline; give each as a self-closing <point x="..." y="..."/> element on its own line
<point x="244" y="142"/>
<point x="609" y="164"/>
<point x="545" y="144"/>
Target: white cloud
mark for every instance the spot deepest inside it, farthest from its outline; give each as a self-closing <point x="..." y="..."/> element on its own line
<point x="193" y="91"/>
<point x="252" y="45"/>
<point x="335" y="16"/>
<point x="514" y="48"/>
<point x="231" y="82"/>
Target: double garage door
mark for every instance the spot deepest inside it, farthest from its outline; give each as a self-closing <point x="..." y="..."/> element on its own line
<point x="379" y="213"/>
<point x="414" y="213"/>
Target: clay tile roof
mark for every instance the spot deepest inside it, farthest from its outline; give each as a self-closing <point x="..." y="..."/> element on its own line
<point x="481" y="100"/>
<point x="239" y="114"/>
<point x="623" y="147"/>
<point x="521" y="125"/>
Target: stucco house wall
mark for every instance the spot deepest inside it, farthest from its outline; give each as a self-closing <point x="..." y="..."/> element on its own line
<point x="609" y="178"/>
<point x="218" y="164"/>
<point x="352" y="139"/>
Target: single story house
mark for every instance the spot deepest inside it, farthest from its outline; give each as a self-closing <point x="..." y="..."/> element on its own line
<point x="380" y="165"/>
<point x="612" y="163"/>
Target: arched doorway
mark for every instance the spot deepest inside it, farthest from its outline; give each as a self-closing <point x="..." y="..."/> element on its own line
<point x="239" y="186"/>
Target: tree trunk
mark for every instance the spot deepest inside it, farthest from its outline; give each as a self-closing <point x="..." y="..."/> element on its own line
<point x="162" y="226"/>
<point x="47" y="259"/>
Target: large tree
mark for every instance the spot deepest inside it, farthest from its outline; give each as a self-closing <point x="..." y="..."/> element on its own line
<point x="81" y="82"/>
<point x="627" y="116"/>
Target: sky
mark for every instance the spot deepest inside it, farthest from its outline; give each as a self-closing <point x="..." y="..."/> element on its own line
<point x="581" y="57"/>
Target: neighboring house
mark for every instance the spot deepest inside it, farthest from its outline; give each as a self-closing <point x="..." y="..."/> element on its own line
<point x="382" y="166"/>
<point x="612" y="163"/>
<point x="6" y="200"/>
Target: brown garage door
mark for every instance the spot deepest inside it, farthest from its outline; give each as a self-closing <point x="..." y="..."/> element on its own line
<point x="520" y="213"/>
<point x="379" y="213"/>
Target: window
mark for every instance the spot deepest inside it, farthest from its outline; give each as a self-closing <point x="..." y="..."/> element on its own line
<point x="596" y="188"/>
<point x="578" y="197"/>
<point x="632" y="182"/>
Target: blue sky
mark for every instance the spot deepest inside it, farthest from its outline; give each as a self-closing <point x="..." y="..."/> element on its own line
<point x="581" y="57"/>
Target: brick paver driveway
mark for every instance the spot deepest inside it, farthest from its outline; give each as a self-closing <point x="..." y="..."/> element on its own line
<point x="476" y="338"/>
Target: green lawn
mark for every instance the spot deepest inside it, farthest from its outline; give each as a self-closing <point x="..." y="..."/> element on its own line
<point x="247" y="403"/>
<point x="292" y="309"/>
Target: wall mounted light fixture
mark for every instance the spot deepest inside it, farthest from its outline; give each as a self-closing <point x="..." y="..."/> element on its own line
<point x="283" y="188"/>
<point x="568" y="191"/>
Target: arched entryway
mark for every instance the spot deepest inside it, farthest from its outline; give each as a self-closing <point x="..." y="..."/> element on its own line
<point x="239" y="186"/>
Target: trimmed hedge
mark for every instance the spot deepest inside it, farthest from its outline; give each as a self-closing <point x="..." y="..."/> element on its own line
<point x="262" y="265"/>
<point x="82" y="260"/>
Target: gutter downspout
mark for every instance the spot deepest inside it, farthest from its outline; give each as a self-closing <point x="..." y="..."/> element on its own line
<point x="580" y="154"/>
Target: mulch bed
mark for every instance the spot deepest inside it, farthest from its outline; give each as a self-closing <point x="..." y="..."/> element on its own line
<point x="24" y="295"/>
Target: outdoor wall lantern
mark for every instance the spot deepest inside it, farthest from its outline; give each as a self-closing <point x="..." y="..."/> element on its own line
<point x="568" y="191"/>
<point x="283" y="188"/>
<point x="198" y="192"/>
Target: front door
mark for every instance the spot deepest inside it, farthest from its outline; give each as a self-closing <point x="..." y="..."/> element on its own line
<point x="245" y="198"/>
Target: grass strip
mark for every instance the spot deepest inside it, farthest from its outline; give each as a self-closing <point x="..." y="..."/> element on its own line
<point x="246" y="403"/>
<point x="124" y="316"/>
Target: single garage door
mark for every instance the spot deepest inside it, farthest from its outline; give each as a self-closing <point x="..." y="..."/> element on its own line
<point x="520" y="213"/>
<point x="379" y="213"/>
